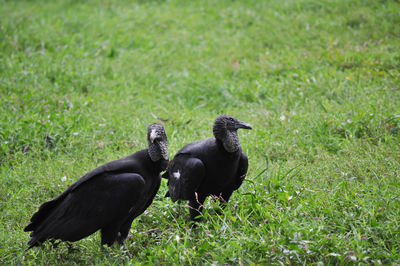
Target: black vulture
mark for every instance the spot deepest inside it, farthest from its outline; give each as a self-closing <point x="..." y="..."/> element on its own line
<point x="214" y="166"/>
<point x="106" y="199"/>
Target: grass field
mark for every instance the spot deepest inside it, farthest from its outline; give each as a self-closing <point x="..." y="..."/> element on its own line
<point x="318" y="80"/>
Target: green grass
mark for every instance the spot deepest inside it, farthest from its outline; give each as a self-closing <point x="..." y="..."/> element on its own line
<point x="318" y="80"/>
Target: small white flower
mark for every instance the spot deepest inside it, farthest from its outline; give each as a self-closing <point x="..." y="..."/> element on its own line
<point x="177" y="238"/>
<point x="282" y="118"/>
<point x="63" y="179"/>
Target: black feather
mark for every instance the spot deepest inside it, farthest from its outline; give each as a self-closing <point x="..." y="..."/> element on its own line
<point x="107" y="199"/>
<point x="214" y="166"/>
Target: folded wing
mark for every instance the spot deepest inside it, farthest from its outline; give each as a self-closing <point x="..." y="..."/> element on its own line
<point x="98" y="202"/>
<point x="185" y="175"/>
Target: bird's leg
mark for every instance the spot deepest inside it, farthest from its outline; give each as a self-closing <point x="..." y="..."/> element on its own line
<point x="124" y="231"/>
<point x="108" y="235"/>
<point x="196" y="207"/>
<point x="121" y="239"/>
<point x="54" y="243"/>
<point x="71" y="248"/>
<point x="223" y="200"/>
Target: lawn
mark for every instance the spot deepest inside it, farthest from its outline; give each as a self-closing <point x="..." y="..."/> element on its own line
<point x="318" y="80"/>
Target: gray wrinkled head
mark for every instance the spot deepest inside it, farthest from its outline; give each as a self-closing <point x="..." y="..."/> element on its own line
<point x="225" y="129"/>
<point x="158" y="142"/>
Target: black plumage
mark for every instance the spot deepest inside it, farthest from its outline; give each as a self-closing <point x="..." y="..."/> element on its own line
<point x="107" y="198"/>
<point x="214" y="166"/>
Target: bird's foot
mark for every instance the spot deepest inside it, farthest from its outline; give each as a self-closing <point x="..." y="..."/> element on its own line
<point x="71" y="248"/>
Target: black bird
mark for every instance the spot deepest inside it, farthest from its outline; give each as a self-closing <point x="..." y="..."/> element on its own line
<point x="107" y="198"/>
<point x="214" y="166"/>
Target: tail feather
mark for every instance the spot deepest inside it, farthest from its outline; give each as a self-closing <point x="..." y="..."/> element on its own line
<point x="44" y="211"/>
<point x="38" y="222"/>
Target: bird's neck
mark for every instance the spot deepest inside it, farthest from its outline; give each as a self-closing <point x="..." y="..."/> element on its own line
<point x="230" y="141"/>
<point x="154" y="152"/>
<point x="156" y="160"/>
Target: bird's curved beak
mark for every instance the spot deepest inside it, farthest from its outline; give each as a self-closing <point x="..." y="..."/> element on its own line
<point x="243" y="125"/>
<point x="153" y="136"/>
